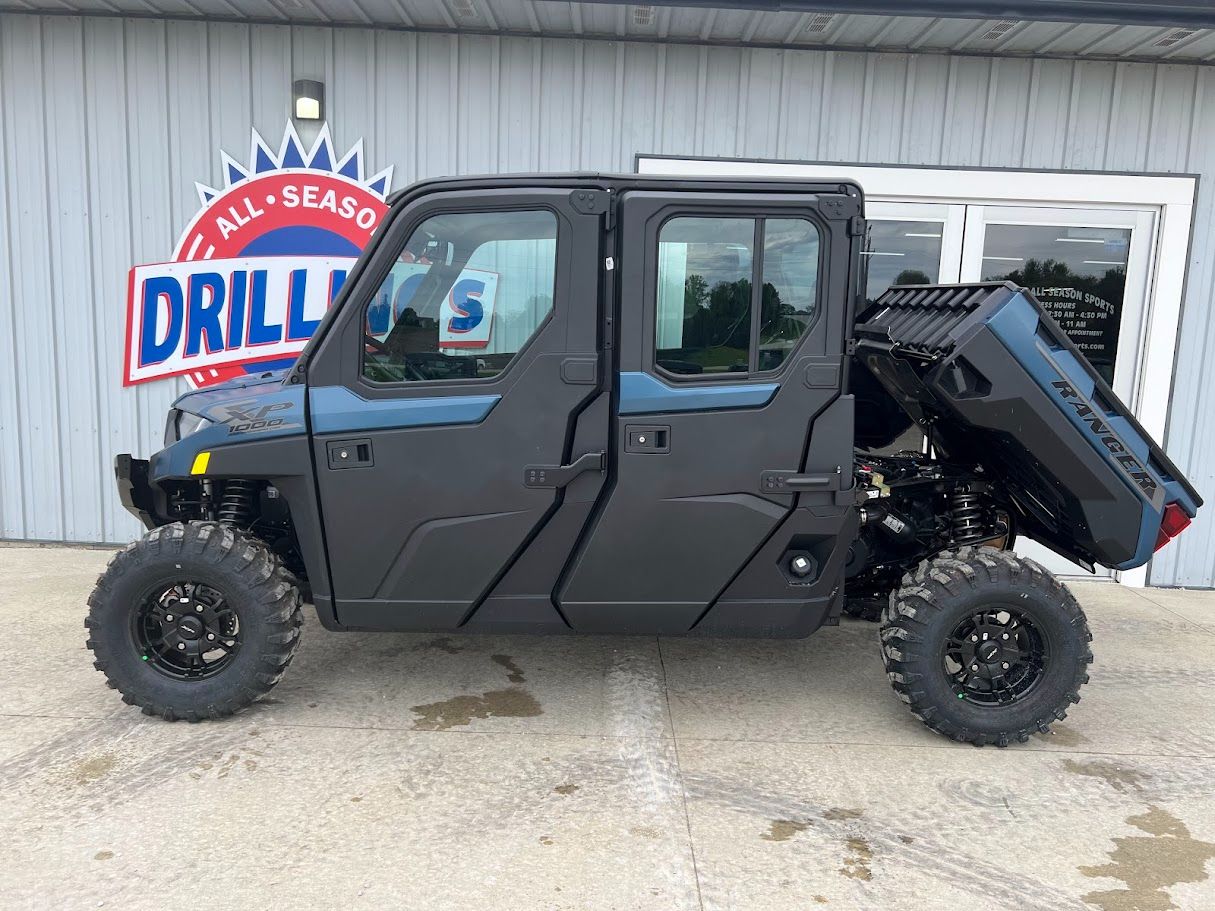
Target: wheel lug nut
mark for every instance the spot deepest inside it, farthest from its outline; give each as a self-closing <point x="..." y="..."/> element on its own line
<point x="168" y="618"/>
<point x="182" y="646"/>
<point x="198" y="608"/>
<point x="974" y="667"/>
<point x="974" y="638"/>
<point x="1004" y="665"/>
<point x="1005" y="636"/>
<point x="210" y="635"/>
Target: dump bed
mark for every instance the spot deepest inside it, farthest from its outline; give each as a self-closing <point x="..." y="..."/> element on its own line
<point x="1002" y="387"/>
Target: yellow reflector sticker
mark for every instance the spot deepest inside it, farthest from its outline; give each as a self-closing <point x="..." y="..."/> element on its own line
<point x="200" y="463"/>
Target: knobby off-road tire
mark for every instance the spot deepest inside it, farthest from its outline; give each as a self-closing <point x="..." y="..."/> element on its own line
<point x="222" y="566"/>
<point x="940" y="597"/>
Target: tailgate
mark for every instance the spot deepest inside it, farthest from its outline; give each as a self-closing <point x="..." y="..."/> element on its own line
<point x="1002" y="387"/>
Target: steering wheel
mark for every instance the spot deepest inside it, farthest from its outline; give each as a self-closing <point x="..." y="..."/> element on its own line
<point x="370" y="341"/>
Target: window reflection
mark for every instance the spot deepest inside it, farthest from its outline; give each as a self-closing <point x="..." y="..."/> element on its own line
<point x="1079" y="275"/>
<point x="790" y="280"/>
<point x="704" y="294"/>
<point x="897" y="252"/>
<point x="706" y="307"/>
<point x="901" y="252"/>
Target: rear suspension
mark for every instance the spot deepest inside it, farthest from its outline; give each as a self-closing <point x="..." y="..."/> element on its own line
<point x="966" y="517"/>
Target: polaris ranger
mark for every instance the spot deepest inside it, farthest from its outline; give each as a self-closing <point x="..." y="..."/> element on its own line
<point x="624" y="404"/>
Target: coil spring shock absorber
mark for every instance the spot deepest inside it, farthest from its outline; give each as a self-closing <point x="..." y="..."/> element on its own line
<point x="236" y="507"/>
<point x="966" y="517"/>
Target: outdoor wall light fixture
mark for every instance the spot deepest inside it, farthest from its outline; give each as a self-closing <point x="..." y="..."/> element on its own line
<point x="308" y="99"/>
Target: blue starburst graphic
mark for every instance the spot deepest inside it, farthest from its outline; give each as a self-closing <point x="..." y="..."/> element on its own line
<point x="320" y="158"/>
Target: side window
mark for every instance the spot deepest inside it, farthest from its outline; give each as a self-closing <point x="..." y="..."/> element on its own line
<point x="463" y="298"/>
<point x="790" y="289"/>
<point x="710" y="320"/>
<point x="704" y="295"/>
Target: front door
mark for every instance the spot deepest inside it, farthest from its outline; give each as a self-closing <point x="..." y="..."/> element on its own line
<point x="732" y="446"/>
<point x="453" y="383"/>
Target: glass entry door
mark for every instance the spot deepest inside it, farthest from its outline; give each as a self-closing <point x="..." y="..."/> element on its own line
<point x="1089" y="268"/>
<point x="911" y="244"/>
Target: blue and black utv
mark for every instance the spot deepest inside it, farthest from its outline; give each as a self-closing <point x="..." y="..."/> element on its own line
<point x="623" y="404"/>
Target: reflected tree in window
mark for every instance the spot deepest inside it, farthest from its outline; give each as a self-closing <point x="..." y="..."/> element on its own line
<point x="717" y="327"/>
<point x="1088" y="307"/>
<point x="912" y="277"/>
<point x="707" y="272"/>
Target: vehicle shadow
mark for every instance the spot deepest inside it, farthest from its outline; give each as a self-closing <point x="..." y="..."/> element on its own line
<point x="581" y="684"/>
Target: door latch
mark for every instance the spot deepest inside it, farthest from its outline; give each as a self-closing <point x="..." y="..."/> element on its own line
<point x="561" y="475"/>
<point x="793" y="482"/>
<point x="647" y="438"/>
<point x="349" y="454"/>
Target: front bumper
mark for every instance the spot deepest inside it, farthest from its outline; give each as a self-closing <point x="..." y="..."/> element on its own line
<point x="133" y="488"/>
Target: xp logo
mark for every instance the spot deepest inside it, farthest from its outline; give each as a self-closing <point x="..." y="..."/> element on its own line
<point x="257" y="266"/>
<point x="253" y="415"/>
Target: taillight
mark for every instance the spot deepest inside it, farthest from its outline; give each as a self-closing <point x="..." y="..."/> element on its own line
<point x="1173" y="523"/>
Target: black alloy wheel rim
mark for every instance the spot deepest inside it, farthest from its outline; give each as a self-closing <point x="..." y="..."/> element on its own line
<point x="995" y="656"/>
<point x="186" y="630"/>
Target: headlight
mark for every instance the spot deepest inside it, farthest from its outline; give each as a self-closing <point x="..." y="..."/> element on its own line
<point x="190" y="423"/>
<point x="182" y="424"/>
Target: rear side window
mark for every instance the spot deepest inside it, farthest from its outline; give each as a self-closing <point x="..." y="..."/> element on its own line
<point x="704" y="294"/>
<point x="790" y="287"/>
<point x="464" y="297"/>
<point x="723" y="309"/>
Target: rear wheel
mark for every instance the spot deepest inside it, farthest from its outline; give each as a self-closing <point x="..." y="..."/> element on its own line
<point x="985" y="646"/>
<point x="195" y="620"/>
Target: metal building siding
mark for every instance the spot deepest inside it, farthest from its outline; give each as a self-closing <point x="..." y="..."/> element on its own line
<point x="105" y="125"/>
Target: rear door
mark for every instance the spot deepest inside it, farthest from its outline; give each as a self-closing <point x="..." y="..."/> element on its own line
<point x="445" y="401"/>
<point x="728" y="416"/>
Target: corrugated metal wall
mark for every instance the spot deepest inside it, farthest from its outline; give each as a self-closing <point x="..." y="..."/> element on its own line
<point x="106" y="124"/>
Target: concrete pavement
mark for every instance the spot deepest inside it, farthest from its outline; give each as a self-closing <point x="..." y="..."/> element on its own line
<point x="447" y="772"/>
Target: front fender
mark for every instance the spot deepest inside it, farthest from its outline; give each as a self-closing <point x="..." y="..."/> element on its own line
<point x="258" y="437"/>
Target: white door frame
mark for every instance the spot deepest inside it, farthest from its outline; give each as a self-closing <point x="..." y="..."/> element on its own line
<point x="1172" y="197"/>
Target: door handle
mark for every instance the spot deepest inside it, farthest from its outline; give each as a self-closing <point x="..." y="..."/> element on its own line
<point x="349" y="454"/>
<point x="561" y="475"/>
<point x="792" y="482"/>
<point x="647" y="438"/>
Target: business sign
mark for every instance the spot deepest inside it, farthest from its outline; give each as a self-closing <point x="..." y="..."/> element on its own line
<point x="258" y="265"/>
<point x="1090" y="321"/>
<point x="465" y="316"/>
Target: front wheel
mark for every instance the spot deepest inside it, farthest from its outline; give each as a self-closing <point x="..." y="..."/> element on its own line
<point x="194" y="620"/>
<point x="985" y="646"/>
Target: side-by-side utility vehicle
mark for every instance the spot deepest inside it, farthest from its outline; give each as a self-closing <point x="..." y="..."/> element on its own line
<point x="623" y="404"/>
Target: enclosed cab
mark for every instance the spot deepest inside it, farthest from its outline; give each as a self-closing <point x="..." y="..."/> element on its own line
<point x="587" y="403"/>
